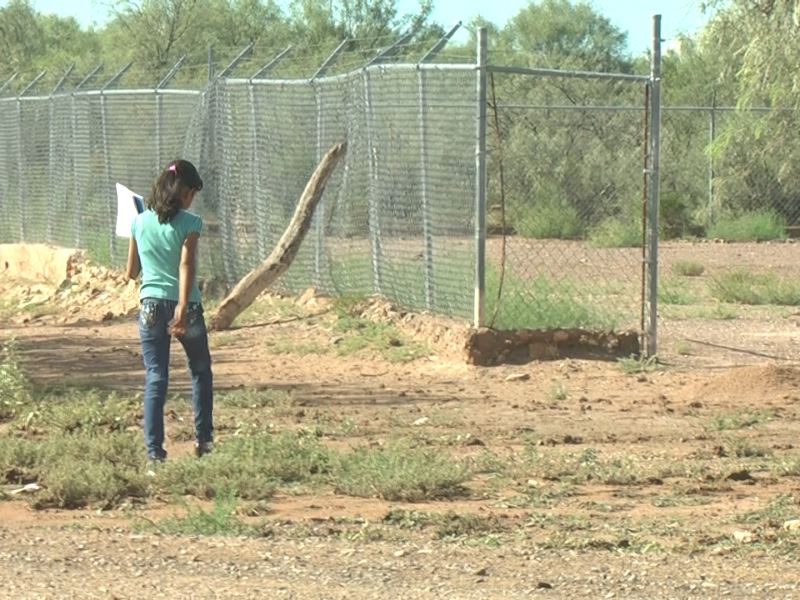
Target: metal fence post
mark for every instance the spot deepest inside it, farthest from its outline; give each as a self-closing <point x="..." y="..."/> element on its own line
<point x="655" y="159"/>
<point x="712" y="136"/>
<point x="481" y="178"/>
<point x="21" y="180"/>
<point x="112" y="243"/>
<point x="374" y="210"/>
<point x="20" y="171"/>
<point x="427" y="234"/>
<point x="262" y="231"/>
<point x="320" y="211"/>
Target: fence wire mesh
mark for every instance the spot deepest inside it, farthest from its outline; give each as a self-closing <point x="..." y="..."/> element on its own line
<point x="567" y="199"/>
<point x="397" y="217"/>
<point x="703" y="186"/>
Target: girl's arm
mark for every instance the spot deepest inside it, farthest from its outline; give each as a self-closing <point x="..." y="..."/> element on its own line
<point x="134" y="266"/>
<point x="187" y="273"/>
<point x="188" y="268"/>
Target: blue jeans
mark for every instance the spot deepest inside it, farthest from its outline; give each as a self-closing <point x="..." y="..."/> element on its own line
<point x="154" y="318"/>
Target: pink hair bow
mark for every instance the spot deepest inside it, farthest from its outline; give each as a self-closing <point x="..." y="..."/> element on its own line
<point x="173" y="168"/>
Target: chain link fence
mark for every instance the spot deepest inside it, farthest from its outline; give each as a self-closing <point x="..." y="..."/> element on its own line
<point x="566" y="186"/>
<point x="567" y="200"/>
<point x="397" y="217"/>
<point x="704" y="186"/>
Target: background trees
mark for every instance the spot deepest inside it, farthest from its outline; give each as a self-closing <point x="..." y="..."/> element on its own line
<point x="560" y="162"/>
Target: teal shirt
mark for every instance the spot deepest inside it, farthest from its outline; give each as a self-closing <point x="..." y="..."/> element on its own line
<point x="160" y="253"/>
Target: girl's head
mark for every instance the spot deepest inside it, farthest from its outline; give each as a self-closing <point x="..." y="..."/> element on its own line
<point x="174" y="189"/>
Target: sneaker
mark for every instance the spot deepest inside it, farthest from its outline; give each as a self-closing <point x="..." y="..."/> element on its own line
<point x="201" y="449"/>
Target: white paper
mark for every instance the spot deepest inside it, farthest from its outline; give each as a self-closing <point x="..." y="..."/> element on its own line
<point x="129" y="204"/>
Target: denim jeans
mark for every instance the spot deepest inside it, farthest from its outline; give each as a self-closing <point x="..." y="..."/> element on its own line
<point x="154" y="318"/>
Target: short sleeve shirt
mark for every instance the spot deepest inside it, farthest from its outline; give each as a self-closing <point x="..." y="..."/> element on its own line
<point x="159" y="248"/>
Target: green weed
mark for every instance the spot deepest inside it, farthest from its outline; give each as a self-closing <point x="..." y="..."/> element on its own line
<point x="399" y="473"/>
<point x="743" y="287"/>
<point x="543" y="303"/>
<point x="615" y="233"/>
<point x="15" y="386"/>
<point x="640" y="364"/>
<point x="222" y="520"/>
<point x="759" y="226"/>
<point x="674" y="291"/>
<point x="739" y="420"/>
<point x="740" y="447"/>
<point x="546" y="220"/>
<point x="688" y="268"/>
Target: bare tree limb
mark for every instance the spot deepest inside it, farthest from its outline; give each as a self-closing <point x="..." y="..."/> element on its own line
<point x="259" y="279"/>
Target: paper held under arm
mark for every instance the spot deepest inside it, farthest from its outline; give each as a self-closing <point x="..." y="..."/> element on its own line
<point x="129" y="204"/>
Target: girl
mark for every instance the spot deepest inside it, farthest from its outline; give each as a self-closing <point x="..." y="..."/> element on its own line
<point x="163" y="248"/>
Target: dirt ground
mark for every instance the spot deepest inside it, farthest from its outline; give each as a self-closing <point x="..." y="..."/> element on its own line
<point x="696" y="478"/>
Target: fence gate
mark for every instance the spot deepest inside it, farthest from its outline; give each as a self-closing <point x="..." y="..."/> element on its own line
<point x="570" y="199"/>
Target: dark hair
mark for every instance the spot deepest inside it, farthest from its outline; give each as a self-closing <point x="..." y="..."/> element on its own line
<point x="166" y="198"/>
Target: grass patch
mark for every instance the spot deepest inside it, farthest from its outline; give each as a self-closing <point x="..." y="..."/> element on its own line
<point x="399" y="473"/>
<point x="254" y="466"/>
<point x="615" y="233"/>
<point x="280" y="401"/>
<point x="358" y="333"/>
<point x="740" y="447"/>
<point x="743" y="287"/>
<point x="688" y="268"/>
<point x="640" y="364"/>
<point x="76" y="470"/>
<point x="739" y="420"/>
<point x="546" y="220"/>
<point x="717" y="312"/>
<point x="558" y="392"/>
<point x="675" y="291"/>
<point x="683" y="348"/>
<point x="15" y="386"/>
<point x="758" y="226"/>
<point x="543" y="303"/>
<point x="221" y="520"/>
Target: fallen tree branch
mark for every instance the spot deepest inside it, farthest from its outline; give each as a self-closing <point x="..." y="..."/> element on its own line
<point x="260" y="278"/>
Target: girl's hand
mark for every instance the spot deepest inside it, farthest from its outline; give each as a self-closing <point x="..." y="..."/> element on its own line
<point x="177" y="327"/>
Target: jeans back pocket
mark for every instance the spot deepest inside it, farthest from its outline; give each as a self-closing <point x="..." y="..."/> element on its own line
<point x="147" y="315"/>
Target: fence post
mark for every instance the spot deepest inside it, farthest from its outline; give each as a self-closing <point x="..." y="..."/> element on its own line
<point x="262" y="232"/>
<point x="655" y="159"/>
<point x="480" y="183"/>
<point x="320" y="211"/>
<point x="21" y="183"/>
<point x="427" y="248"/>
<point x="712" y="136"/>
<point x="55" y="184"/>
<point x="374" y="211"/>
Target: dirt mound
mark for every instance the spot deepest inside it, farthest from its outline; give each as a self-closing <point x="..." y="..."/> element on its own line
<point x="758" y="380"/>
<point x="88" y="292"/>
<point x="447" y="337"/>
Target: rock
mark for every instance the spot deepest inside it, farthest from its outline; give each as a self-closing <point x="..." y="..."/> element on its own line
<point x="721" y="551"/>
<point x="792" y="525"/>
<point x="518" y="377"/>
<point x="421" y="421"/>
<point x="400" y="553"/>
<point x="28" y="489"/>
<point x="740" y="476"/>
<point x="743" y="537"/>
<point x="543" y="585"/>
<point x="481" y="572"/>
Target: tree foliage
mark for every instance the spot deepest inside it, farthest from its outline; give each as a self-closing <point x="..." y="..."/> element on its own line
<point x="556" y="163"/>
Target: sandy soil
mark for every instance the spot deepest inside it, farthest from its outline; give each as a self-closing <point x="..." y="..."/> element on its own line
<point x="312" y="546"/>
